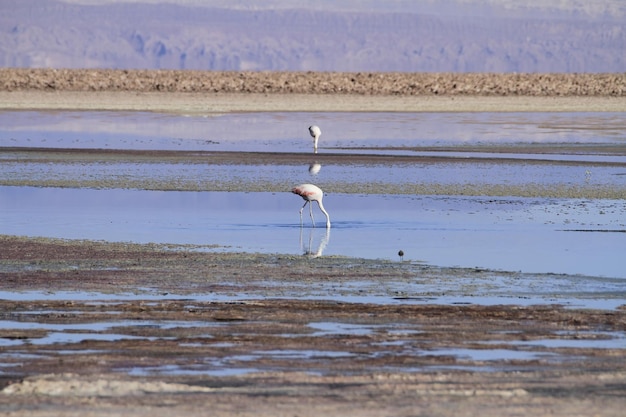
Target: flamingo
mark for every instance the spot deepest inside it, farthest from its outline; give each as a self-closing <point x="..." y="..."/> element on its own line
<point x="315" y="132"/>
<point x="309" y="193"/>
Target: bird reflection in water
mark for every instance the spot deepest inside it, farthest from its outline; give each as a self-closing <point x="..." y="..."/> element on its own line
<point x="314" y="168"/>
<point x="309" y="251"/>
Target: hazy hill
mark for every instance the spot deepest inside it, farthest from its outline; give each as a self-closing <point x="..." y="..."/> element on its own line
<point x="432" y="37"/>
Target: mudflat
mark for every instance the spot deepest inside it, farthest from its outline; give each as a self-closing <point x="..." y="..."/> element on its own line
<point x="180" y="331"/>
<point x="121" y="328"/>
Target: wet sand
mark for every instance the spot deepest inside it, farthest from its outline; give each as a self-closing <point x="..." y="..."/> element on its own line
<point x="178" y="344"/>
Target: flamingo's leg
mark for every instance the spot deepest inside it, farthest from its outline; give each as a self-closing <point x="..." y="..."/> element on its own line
<point x="302" y="208"/>
<point x="311" y="212"/>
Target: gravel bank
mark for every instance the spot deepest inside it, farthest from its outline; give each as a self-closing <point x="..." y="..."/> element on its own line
<point x="376" y="84"/>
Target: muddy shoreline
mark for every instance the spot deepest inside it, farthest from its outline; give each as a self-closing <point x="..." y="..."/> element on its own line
<point x="486" y="156"/>
<point x="179" y="345"/>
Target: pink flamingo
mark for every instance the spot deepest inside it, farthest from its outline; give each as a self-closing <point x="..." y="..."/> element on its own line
<point x="315" y="132"/>
<point x="309" y="193"/>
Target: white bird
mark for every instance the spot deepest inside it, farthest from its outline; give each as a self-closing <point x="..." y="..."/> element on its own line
<point x="309" y="193"/>
<point x="315" y="132"/>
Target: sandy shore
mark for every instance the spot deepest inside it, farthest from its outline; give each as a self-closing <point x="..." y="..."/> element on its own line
<point x="199" y="103"/>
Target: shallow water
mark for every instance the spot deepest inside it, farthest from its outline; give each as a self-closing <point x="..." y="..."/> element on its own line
<point x="457" y="175"/>
<point x="516" y="234"/>
<point x="76" y="333"/>
<point x="535" y="235"/>
<point x="287" y="132"/>
<point x="227" y="358"/>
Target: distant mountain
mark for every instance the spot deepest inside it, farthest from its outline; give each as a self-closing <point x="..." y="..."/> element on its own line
<point x="156" y="35"/>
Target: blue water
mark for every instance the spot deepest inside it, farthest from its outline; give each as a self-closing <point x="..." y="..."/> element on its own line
<point x="514" y="234"/>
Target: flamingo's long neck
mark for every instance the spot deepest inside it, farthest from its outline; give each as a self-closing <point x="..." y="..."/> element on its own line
<point x="319" y="202"/>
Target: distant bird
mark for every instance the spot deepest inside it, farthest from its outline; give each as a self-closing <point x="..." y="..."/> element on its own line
<point x="315" y="132"/>
<point x="309" y="193"/>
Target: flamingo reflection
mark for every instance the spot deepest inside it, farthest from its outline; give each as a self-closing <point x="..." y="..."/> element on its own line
<point x="308" y="251"/>
<point x="314" y="168"/>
